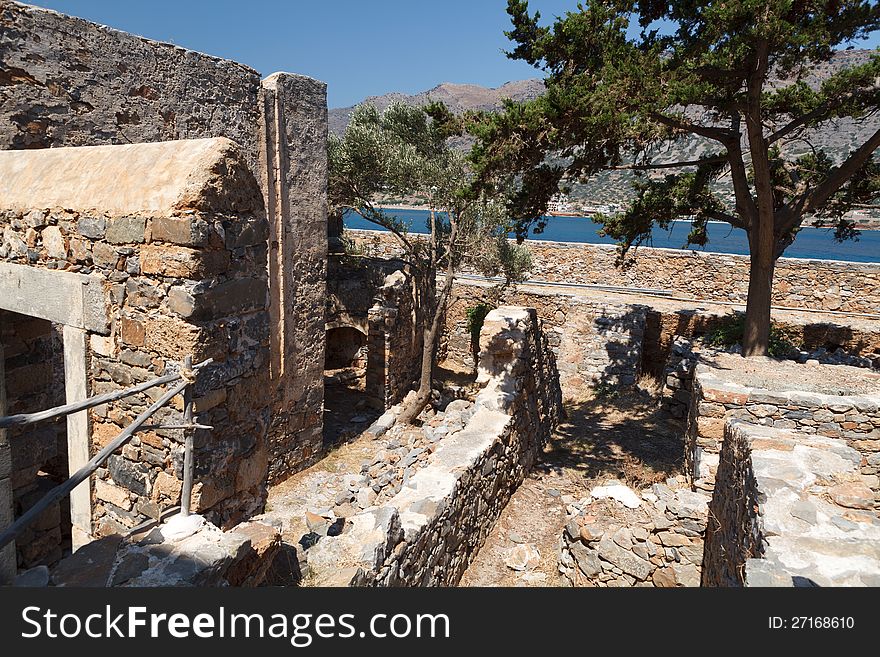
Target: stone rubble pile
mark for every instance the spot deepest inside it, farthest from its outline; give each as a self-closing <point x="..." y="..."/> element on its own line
<point x="400" y="451"/>
<point x="616" y="537"/>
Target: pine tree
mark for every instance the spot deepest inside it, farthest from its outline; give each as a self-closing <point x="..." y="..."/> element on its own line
<point x="733" y="74"/>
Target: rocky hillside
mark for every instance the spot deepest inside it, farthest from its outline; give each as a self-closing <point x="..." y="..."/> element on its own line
<point x="458" y="97"/>
<point x="837" y="138"/>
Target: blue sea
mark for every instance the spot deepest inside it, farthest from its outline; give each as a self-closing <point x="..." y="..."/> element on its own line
<point x="810" y="243"/>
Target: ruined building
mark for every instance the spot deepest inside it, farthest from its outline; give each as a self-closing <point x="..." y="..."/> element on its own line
<point x="158" y="203"/>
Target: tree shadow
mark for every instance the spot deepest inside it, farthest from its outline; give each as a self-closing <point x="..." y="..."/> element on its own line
<point x="347" y="412"/>
<point x="625" y="436"/>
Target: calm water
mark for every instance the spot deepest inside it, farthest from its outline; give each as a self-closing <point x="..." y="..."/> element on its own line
<point x="810" y="242"/>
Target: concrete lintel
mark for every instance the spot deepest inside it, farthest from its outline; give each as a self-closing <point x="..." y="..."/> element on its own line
<point x="58" y="296"/>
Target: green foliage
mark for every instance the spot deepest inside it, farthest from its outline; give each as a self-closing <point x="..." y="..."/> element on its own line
<point x="352" y="248"/>
<point x="603" y="390"/>
<point x="615" y="101"/>
<point x="403" y="152"/>
<point x="475" y="316"/>
<point x="783" y="340"/>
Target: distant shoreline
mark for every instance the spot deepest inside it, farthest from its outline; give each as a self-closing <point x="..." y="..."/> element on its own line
<point x="404" y="206"/>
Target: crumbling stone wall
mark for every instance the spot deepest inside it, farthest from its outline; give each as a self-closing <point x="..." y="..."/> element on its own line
<point x="790" y="509"/>
<point x="173" y="239"/>
<point x="394" y="352"/>
<point x="379" y="297"/>
<point x="34" y="364"/>
<point x="826" y="284"/>
<point x="855" y="418"/>
<point x="70" y="82"/>
<point x="621" y="539"/>
<point x="428" y="532"/>
<point x="594" y="343"/>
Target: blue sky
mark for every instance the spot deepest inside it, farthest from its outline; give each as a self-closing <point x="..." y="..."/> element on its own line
<point x="359" y="48"/>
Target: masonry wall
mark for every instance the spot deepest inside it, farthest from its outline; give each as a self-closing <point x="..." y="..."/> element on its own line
<point x="853" y="418"/>
<point x="293" y="164"/>
<point x="429" y="531"/>
<point x="189" y="278"/>
<point x="790" y="509"/>
<point x="379" y="297"/>
<point x="70" y="82"/>
<point x="822" y="284"/>
<point x="594" y="343"/>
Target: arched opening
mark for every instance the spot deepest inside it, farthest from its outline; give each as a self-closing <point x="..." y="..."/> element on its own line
<point x="346" y="350"/>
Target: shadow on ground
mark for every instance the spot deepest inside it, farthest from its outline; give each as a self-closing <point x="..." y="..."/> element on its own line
<point x="623" y="435"/>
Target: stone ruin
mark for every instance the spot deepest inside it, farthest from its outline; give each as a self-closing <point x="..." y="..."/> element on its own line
<point x="161" y="203"/>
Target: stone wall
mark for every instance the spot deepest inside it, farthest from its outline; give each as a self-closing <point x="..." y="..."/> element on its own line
<point x="70" y="82"/>
<point x="428" y="532"/>
<point x="852" y="417"/>
<point x="34" y="364"/>
<point x="162" y="282"/>
<point x="617" y="538"/>
<point x="825" y="284"/>
<point x="293" y="165"/>
<point x="594" y="343"/>
<point x="378" y="297"/>
<point x="790" y="509"/>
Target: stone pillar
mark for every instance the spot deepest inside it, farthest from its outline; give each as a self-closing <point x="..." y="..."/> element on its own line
<point x="379" y="318"/>
<point x="76" y="389"/>
<point x="7" y="554"/>
<point x="294" y="166"/>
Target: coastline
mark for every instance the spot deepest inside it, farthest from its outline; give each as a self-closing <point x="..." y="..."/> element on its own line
<point x="404" y="206"/>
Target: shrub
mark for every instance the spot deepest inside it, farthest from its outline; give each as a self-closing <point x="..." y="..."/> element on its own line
<point x="730" y="331"/>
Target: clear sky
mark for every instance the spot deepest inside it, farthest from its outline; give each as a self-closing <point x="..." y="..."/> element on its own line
<point x="359" y="48"/>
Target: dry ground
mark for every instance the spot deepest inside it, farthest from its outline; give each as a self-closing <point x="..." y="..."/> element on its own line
<point x="622" y="437"/>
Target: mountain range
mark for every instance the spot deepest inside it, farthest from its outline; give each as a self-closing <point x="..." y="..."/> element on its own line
<point x="838" y="138"/>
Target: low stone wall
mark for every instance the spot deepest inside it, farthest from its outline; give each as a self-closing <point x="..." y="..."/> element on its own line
<point x="826" y="284"/>
<point x="205" y="557"/>
<point x="594" y="343"/>
<point x="855" y="418"/>
<point x="620" y="539"/>
<point x="428" y="532"/>
<point x="677" y="381"/>
<point x="790" y="509"/>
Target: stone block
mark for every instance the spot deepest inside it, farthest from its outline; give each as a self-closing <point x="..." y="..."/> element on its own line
<point x="182" y="262"/>
<point x="91" y="227"/>
<point x="109" y="493"/>
<point x="133" y="476"/>
<point x="125" y="230"/>
<point x="187" y="230"/>
<point x="132" y="332"/>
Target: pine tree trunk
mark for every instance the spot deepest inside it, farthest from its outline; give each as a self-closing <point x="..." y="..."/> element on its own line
<point x="756" y="336"/>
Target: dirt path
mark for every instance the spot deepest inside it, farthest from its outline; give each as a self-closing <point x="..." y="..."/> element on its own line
<point x="624" y="438"/>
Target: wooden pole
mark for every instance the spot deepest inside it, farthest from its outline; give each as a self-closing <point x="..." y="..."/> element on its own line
<point x="186" y="493"/>
<point x="67" y="409"/>
<point x="83" y="473"/>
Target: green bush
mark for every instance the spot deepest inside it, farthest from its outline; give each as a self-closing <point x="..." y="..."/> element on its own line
<point x="732" y="328"/>
<point x="475" y="316"/>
